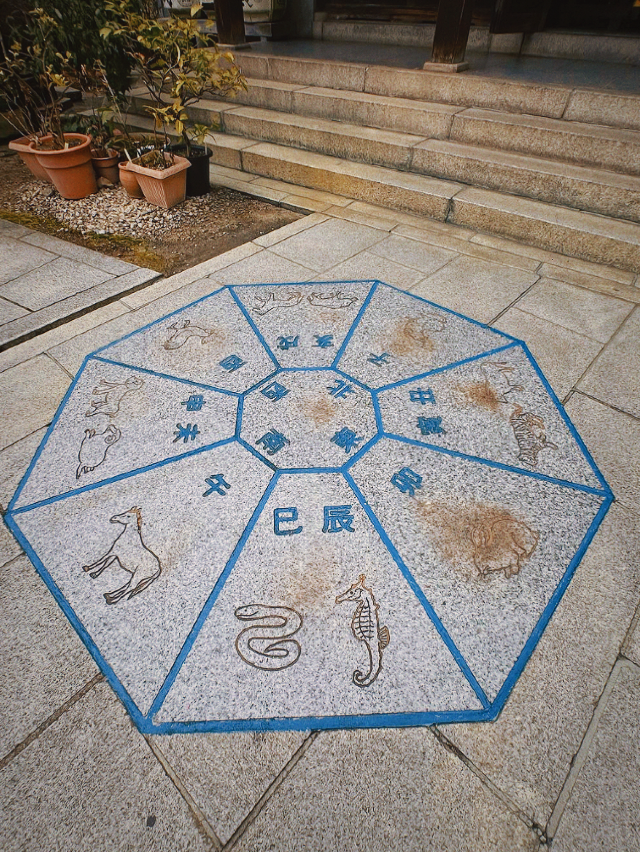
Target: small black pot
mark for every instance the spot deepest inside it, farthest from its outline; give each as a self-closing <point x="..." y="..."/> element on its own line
<point x="198" y="174"/>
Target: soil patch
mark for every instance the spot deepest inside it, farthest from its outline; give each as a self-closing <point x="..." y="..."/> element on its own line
<point x="133" y="230"/>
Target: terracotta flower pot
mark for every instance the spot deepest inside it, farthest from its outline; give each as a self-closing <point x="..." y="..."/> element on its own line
<point x="129" y="180"/>
<point x="106" y="167"/>
<point x="163" y="187"/>
<point x="23" y="148"/>
<point x="70" y="169"/>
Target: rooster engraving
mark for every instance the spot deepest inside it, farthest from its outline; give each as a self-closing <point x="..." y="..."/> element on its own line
<point x="365" y="626"/>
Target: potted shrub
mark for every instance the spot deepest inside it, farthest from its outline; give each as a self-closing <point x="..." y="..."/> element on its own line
<point x="31" y="84"/>
<point x="178" y="65"/>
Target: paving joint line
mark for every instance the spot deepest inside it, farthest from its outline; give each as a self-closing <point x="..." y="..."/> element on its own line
<point x="484" y="779"/>
<point x="602" y="402"/>
<point x="580" y="757"/>
<point x="515" y="301"/>
<point x="271" y="789"/>
<point x="199" y="816"/>
<point x="35" y="734"/>
<point x="57" y="363"/>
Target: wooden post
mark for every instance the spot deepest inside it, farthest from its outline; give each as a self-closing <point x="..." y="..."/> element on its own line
<point x="451" y="35"/>
<point x="230" y="22"/>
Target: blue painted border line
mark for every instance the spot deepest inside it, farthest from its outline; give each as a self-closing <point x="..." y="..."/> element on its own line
<point x="310" y="470"/>
<point x="163" y="375"/>
<point x="451" y="311"/>
<point x="444" y="635"/>
<point x="566" y="419"/>
<point x="206" y="609"/>
<point x="550" y="608"/>
<point x="50" y="429"/>
<point x="261" y="382"/>
<point x="77" y="625"/>
<point x="160" y="319"/>
<point x="254" y="327"/>
<point x="307" y="283"/>
<point x="446" y="367"/>
<point x="320" y="723"/>
<point x="120" y="476"/>
<point x="351" y="379"/>
<point x="255" y="453"/>
<point x="532" y="474"/>
<point x="239" y="417"/>
<point x="363" y="449"/>
<point x="355" y="323"/>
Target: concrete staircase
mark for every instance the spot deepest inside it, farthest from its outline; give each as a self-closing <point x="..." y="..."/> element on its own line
<point x="553" y="166"/>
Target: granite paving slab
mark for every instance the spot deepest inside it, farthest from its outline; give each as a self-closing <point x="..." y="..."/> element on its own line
<point x="313" y="505"/>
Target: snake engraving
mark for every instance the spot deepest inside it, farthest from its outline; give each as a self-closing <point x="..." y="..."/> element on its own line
<point x="365" y="626"/>
<point x="267" y="644"/>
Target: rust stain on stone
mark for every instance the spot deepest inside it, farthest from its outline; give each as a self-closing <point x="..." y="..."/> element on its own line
<point x="482" y="394"/>
<point x="312" y="582"/>
<point x="318" y="409"/>
<point x="409" y="336"/>
<point x="479" y="538"/>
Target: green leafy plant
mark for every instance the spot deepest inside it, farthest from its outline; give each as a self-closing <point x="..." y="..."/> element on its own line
<point x="177" y="64"/>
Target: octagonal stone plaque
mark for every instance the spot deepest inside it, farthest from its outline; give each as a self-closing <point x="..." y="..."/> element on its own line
<point x="310" y="506"/>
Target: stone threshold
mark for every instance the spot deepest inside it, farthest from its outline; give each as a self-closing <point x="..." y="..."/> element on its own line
<point x="26" y="327"/>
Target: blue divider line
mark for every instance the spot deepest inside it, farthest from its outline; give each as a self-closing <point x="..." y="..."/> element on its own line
<point x="444" y="635"/>
<point x="567" y="420"/>
<point x="378" y="413"/>
<point x="77" y="625"/>
<point x="308" y="283"/>
<point x="351" y="379"/>
<point x="262" y="381"/>
<point x="254" y="327"/>
<point x="159" y="320"/>
<point x="50" y="429"/>
<point x="324" y="723"/>
<point x="311" y="470"/>
<point x="356" y="322"/>
<point x="447" y="367"/>
<point x="255" y="453"/>
<point x="532" y="474"/>
<point x="120" y="476"/>
<point x="239" y="416"/>
<point x="222" y="579"/>
<point x="163" y="375"/>
<point x="451" y="311"/>
<point x="550" y="608"/>
<point x="363" y="449"/>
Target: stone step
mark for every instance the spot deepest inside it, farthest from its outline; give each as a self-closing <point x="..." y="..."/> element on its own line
<point x="594" y="190"/>
<point x="591" y="237"/>
<point x="585" y="188"/>
<point x="613" y="109"/>
<point x="570" y="141"/>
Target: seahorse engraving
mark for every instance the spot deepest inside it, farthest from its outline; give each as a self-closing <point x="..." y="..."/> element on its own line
<point x="529" y="432"/>
<point x="365" y="626"/>
<point x="185" y="331"/>
<point x="268" y="645"/>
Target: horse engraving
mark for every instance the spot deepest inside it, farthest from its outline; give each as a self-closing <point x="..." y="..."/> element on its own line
<point x="365" y="626"/>
<point x="530" y="433"/>
<point x="184" y="331"/>
<point x="264" y="304"/>
<point x="131" y="554"/>
<point x="109" y="395"/>
<point x="267" y="644"/>
<point x="94" y="447"/>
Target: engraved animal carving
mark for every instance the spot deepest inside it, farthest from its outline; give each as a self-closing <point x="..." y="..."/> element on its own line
<point x="502" y="546"/>
<point x="529" y="431"/>
<point x="273" y="299"/>
<point x="109" y="395"/>
<point x="94" y="448"/>
<point x="184" y="331"/>
<point x="500" y="376"/>
<point x="365" y="626"/>
<point x="334" y="299"/>
<point x="433" y="322"/>
<point x="132" y="555"/>
<point x="267" y="644"/>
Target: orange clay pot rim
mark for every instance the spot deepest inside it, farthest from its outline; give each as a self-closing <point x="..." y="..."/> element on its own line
<point x="161" y="174"/>
<point x="46" y="152"/>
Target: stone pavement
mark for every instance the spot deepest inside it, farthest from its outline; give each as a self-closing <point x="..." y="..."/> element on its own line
<point x="45" y="281"/>
<point x="560" y="764"/>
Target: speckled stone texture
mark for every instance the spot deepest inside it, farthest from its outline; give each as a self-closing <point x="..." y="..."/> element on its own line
<point x="321" y="505"/>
